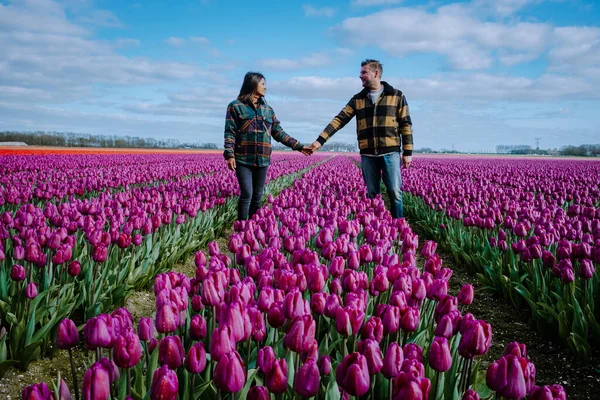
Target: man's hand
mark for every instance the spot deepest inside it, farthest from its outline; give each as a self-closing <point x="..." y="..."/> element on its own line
<point x="315" y="146"/>
<point x="307" y="151"/>
<point x="231" y="164"/>
<point x="406" y="160"/>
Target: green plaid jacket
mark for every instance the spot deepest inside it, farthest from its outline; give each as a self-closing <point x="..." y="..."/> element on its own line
<point x="381" y="128"/>
<point x="248" y="133"/>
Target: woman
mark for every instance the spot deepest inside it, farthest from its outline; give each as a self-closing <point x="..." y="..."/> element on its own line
<point x="249" y="124"/>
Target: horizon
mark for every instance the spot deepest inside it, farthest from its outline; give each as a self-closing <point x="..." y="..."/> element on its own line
<point x="476" y="74"/>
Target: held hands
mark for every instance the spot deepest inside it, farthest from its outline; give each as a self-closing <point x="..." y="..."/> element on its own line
<point x="306" y="151"/>
<point x="406" y="160"/>
<point x="231" y="164"/>
<point x="315" y="146"/>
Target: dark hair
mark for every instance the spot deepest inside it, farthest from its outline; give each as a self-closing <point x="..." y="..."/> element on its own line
<point x="251" y="81"/>
<point x="374" y="65"/>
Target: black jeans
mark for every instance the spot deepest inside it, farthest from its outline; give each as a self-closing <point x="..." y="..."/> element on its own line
<point x="252" y="183"/>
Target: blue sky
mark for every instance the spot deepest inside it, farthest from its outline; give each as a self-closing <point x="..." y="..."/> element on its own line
<point x="476" y="74"/>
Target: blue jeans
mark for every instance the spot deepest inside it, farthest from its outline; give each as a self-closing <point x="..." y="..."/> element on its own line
<point x="252" y="183"/>
<point x="388" y="168"/>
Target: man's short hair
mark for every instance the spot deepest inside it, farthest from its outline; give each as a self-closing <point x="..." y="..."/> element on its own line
<point x="374" y="65"/>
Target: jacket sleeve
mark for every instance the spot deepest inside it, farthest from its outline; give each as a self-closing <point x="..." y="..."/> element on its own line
<point x="230" y="131"/>
<point x="338" y="122"/>
<point x="405" y="126"/>
<point x="282" y="137"/>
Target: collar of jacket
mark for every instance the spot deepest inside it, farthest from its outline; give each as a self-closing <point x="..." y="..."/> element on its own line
<point x="387" y="89"/>
<point x="262" y="102"/>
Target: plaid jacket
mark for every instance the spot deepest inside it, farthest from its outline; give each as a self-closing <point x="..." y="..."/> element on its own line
<point x="381" y="127"/>
<point x="248" y="133"/>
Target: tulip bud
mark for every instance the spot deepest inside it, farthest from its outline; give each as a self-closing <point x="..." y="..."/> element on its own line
<point x="170" y="352"/>
<point x="413" y="352"/>
<point x="165" y="385"/>
<point x="440" y="357"/>
<point x="67" y="335"/>
<point x="276" y="378"/>
<point x="146" y="329"/>
<point x="428" y="249"/>
<point x="552" y="392"/>
<point x="74" y="268"/>
<point x="96" y="382"/>
<point x="17" y="273"/>
<point x="167" y="318"/>
<point x="324" y="364"/>
<point x="370" y="349"/>
<point x="407" y="386"/>
<point x="63" y="391"/>
<point x="197" y="327"/>
<point x="352" y="374"/>
<point x="307" y="379"/>
<point x="128" y="350"/>
<point x="37" y="392"/>
<point x="229" y="375"/>
<point x="99" y="332"/>
<point x="221" y="342"/>
<point x="258" y="392"/>
<point x="195" y="362"/>
<point x="300" y="334"/>
<point x="470" y="394"/>
<point x="392" y="362"/>
<point x="466" y="295"/>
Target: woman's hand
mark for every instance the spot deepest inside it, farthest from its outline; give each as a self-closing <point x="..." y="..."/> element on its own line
<point x="231" y="164"/>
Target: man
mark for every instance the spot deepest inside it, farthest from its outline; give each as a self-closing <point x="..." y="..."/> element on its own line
<point x="383" y="125"/>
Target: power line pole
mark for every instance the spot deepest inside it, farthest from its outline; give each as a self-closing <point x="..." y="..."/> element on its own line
<point x="537" y="142"/>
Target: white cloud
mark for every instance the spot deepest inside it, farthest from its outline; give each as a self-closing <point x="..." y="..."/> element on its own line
<point x="101" y="19"/>
<point x="47" y="58"/>
<point x="453" y="31"/>
<point x="199" y="39"/>
<point x="311" y="11"/>
<point x="453" y="86"/>
<point x="314" y="60"/>
<point x="175" y="41"/>
<point x="374" y="2"/>
<point x="502" y="8"/>
<point x="127" y="42"/>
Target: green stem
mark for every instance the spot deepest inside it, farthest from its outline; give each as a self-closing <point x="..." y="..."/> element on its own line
<point x="192" y="387"/>
<point x="128" y="381"/>
<point x="74" y="374"/>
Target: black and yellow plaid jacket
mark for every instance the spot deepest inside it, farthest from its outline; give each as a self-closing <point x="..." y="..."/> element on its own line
<point x="248" y="133"/>
<point x="382" y="127"/>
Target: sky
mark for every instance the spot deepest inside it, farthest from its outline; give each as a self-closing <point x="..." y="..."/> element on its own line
<point x="476" y="74"/>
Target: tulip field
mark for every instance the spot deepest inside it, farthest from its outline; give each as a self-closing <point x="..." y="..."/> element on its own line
<point x="320" y="295"/>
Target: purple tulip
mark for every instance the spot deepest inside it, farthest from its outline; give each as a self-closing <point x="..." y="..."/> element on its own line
<point x="170" y="352"/>
<point x="440" y="357"/>
<point x="352" y="374"/>
<point x="128" y="350"/>
<point x="229" y="375"/>
<point x="67" y="335"/>
<point x="307" y="379"/>
<point x="17" y="273"/>
<point x="96" y="383"/>
<point x="258" y="393"/>
<point x="195" y="361"/>
<point x="165" y="385"/>
<point x="146" y="329"/>
<point x="37" y="392"/>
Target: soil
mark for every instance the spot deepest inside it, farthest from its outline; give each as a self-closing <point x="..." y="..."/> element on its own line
<point x="554" y="362"/>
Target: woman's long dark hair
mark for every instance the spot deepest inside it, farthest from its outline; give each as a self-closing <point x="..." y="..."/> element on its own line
<point x="251" y="81"/>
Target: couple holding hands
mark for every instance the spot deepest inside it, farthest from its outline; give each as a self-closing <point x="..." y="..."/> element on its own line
<point x="383" y="126"/>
